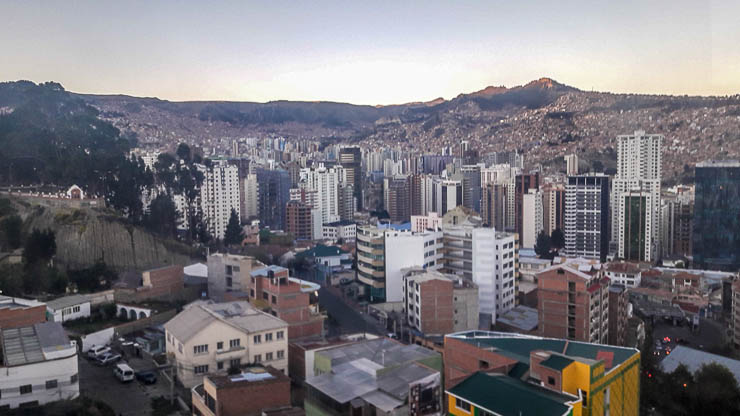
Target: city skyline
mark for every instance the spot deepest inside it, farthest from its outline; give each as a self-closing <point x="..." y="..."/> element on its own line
<point x="369" y="54"/>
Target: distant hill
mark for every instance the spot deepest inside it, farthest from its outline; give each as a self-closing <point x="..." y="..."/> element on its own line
<point x="543" y="119"/>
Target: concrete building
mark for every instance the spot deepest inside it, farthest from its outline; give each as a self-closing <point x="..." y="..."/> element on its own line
<point x="19" y="312"/>
<point x="677" y="223"/>
<point x="571" y="164"/>
<point x="484" y="256"/>
<point x="250" y="203"/>
<point x="512" y="374"/>
<point x="371" y="260"/>
<point x="735" y="320"/>
<point x="397" y="198"/>
<point x="230" y="273"/>
<point x="38" y="365"/>
<point x="437" y="303"/>
<point x="553" y="207"/>
<point x="303" y="221"/>
<point x="587" y="216"/>
<point x="432" y="221"/>
<point x="326" y="184"/>
<point x="67" y="308"/>
<point x="716" y="234"/>
<point x="219" y="196"/>
<point x="209" y="338"/>
<point x="639" y="166"/>
<point x="625" y="274"/>
<point x="532" y="221"/>
<point x="407" y="249"/>
<point x="471" y="186"/>
<point x="346" y="202"/>
<point x="448" y="194"/>
<point x="345" y="230"/>
<point x="274" y="193"/>
<point x="294" y="301"/>
<point x="618" y="315"/>
<point x="573" y="303"/>
<point x="494" y="205"/>
<point x="329" y="256"/>
<point x="636" y="217"/>
<point x="250" y="393"/>
<point x="379" y="376"/>
<point x="523" y="183"/>
<point x="351" y="159"/>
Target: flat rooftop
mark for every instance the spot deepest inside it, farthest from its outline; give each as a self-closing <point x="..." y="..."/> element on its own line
<point x="10" y="303"/>
<point x="28" y="344"/>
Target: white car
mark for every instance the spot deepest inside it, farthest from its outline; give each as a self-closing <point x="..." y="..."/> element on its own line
<point x="124" y="373"/>
<point x="97" y="350"/>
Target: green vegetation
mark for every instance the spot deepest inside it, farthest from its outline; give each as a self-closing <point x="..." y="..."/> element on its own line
<point x="233" y="234"/>
<point x="82" y="406"/>
<point x="543" y="245"/>
<point x="557" y="239"/>
<point x="161" y="406"/>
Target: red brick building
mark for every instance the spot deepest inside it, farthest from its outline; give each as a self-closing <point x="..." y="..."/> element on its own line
<point x="298" y="220"/>
<point x="618" y="304"/>
<point x="291" y="300"/>
<point x="573" y="303"/>
<point x="246" y="394"/>
<point x="18" y="312"/>
<point x="164" y="283"/>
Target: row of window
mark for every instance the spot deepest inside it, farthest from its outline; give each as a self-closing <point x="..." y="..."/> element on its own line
<point x="50" y="384"/>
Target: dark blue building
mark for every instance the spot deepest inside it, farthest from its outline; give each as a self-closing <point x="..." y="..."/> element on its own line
<point x="716" y="234"/>
<point x="274" y="193"/>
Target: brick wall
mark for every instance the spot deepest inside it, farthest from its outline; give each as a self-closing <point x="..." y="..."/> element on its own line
<point x="436" y="307"/>
<point x="16" y="318"/>
<point x="462" y="359"/>
<point x="251" y="400"/>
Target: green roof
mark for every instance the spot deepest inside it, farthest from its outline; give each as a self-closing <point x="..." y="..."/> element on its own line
<point x="508" y="396"/>
<point x="557" y="362"/>
<point x="518" y="370"/>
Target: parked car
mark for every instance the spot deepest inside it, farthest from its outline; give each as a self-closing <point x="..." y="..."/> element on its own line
<point x="123" y="373"/>
<point x="147" y="377"/>
<point x="97" y="350"/>
<point x="107" y="358"/>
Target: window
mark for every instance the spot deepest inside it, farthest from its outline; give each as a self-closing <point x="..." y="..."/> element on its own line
<point x="235" y="363"/>
<point x="280" y="335"/>
<point x="257" y="339"/>
<point x="251" y="293"/>
<point x="179" y="348"/>
<point x="229" y="282"/>
<point x="51" y="384"/>
<point x="280" y="354"/>
<point x="268" y="337"/>
<point x="220" y="365"/>
<point x="27" y="389"/>
<point x="220" y="345"/>
<point x="274" y="299"/>
<point x="258" y="358"/>
<point x="200" y="349"/>
<point x="268" y="356"/>
<point x="551" y="381"/>
<point x="73" y="379"/>
<point x="462" y="405"/>
<point x="234" y="343"/>
<point x="75" y="309"/>
<point x="200" y="369"/>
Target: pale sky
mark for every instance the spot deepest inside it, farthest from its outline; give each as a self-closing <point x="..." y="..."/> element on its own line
<point x="368" y="52"/>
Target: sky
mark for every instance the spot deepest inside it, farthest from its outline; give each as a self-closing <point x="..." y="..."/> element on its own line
<point x="369" y="52"/>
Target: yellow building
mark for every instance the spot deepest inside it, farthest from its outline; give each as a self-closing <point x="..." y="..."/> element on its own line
<point x="492" y="373"/>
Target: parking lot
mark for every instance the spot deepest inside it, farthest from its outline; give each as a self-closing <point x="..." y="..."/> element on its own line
<point x="133" y="398"/>
<point x="708" y="335"/>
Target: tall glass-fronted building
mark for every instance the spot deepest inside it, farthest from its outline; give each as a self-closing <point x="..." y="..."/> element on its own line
<point x="716" y="236"/>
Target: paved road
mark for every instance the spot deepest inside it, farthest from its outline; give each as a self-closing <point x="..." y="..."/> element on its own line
<point x="349" y="319"/>
<point x="127" y="399"/>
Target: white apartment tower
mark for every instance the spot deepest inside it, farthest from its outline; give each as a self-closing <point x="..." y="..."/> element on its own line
<point x="325" y="182"/>
<point x="639" y="165"/>
<point x="219" y="195"/>
<point x="532" y="217"/>
<point x="251" y="196"/>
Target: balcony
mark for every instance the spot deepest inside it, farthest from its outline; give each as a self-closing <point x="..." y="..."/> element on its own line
<point x="226" y="351"/>
<point x="201" y="401"/>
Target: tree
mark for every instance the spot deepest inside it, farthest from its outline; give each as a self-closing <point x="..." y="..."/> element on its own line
<point x="597" y="166"/>
<point x="542" y="246"/>
<point x="557" y="239"/>
<point x="162" y="216"/>
<point x="11" y="230"/>
<point x="184" y="153"/>
<point x="715" y="391"/>
<point x="233" y="234"/>
<point x="40" y="247"/>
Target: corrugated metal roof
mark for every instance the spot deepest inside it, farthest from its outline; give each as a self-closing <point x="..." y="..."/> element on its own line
<point x="66" y="302"/>
<point x="694" y="359"/>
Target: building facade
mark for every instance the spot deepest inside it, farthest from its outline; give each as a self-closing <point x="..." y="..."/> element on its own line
<point x="230" y="273"/>
<point x="587" y="216"/>
<point x="219" y="196"/>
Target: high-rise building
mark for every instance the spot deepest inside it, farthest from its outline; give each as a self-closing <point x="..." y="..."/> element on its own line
<point x="418" y="194"/>
<point x="635" y="236"/>
<point x="639" y="164"/>
<point x="494" y="206"/>
<point x="571" y="164"/>
<point x="303" y="221"/>
<point x="274" y="193"/>
<point x="677" y="217"/>
<point x="531" y="218"/>
<point x="471" y="186"/>
<point x="219" y="196"/>
<point x="448" y="195"/>
<point x="553" y="206"/>
<point x="250" y="203"/>
<point x="397" y="198"/>
<point x="587" y="216"/>
<point x="573" y="303"/>
<point x="346" y="202"/>
<point x="716" y="236"/>
<point x="524" y="182"/>
<point x="618" y="314"/>
<point x="325" y="182"/>
<point x="351" y="159"/>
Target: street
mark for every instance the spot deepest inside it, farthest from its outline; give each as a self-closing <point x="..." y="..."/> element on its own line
<point x="348" y="319"/>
